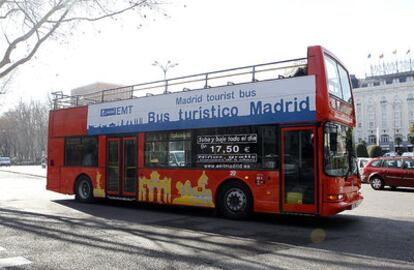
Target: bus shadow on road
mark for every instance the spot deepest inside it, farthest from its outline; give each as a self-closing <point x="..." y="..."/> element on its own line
<point x="197" y="234"/>
<point x="350" y="234"/>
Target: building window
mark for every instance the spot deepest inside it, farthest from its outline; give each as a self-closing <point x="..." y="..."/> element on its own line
<point x="410" y="139"/>
<point x="359" y="114"/>
<point x="383" y="112"/>
<point x="398" y="139"/>
<point x="384" y="138"/>
<point x="371" y="114"/>
<point x="397" y="113"/>
<point x="372" y="139"/>
<point x="410" y="103"/>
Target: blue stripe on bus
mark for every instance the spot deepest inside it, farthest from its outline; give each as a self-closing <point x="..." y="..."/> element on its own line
<point x="207" y="123"/>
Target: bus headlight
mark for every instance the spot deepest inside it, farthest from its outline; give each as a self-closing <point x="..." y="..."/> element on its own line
<point x="335" y="197"/>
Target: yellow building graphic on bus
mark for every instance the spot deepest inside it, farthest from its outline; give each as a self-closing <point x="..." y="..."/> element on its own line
<point x="154" y="189"/>
<point x="158" y="190"/>
<point x="195" y="196"/>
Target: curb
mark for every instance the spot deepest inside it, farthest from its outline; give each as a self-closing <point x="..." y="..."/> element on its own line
<point x="21" y="173"/>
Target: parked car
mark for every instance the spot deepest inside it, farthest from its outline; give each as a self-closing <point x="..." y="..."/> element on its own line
<point x="361" y="162"/>
<point x="5" y="161"/>
<point x="390" y="171"/>
<point x="408" y="154"/>
<point x="391" y="154"/>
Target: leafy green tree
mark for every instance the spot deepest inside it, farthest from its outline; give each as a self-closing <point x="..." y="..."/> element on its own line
<point x="361" y="150"/>
<point x="374" y="151"/>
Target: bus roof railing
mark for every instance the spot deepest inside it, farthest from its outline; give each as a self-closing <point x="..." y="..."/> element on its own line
<point x="240" y="75"/>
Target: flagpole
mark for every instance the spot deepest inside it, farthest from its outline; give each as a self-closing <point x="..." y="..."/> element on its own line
<point x="396" y="59"/>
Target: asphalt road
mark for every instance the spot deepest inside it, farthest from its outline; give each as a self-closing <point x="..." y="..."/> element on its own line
<point x="44" y="230"/>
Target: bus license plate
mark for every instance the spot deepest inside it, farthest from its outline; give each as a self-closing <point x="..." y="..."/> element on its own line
<point x="355" y="205"/>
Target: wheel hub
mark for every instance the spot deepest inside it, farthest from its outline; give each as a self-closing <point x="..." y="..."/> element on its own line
<point x="85" y="190"/>
<point x="376" y="183"/>
<point x="236" y="200"/>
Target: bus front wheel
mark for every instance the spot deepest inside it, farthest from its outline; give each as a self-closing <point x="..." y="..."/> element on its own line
<point x="235" y="200"/>
<point x="84" y="189"/>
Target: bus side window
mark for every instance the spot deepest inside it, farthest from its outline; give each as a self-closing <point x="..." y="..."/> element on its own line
<point x="172" y="149"/>
<point x="269" y="147"/>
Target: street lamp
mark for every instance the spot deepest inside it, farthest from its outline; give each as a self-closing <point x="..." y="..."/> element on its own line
<point x="165" y="68"/>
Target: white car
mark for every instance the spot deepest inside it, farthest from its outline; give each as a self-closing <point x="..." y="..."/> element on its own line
<point x="361" y="162"/>
<point x="408" y="154"/>
<point x="5" y="161"/>
<point x="391" y="154"/>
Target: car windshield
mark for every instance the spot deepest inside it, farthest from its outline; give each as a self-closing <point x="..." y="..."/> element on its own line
<point x="337" y="149"/>
<point x="364" y="162"/>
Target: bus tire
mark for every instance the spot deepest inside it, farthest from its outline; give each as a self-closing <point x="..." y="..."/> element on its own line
<point x="235" y="200"/>
<point x="84" y="189"/>
<point x="377" y="183"/>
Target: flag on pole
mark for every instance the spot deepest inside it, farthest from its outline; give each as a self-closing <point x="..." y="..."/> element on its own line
<point x="369" y="55"/>
<point x="394" y="51"/>
<point x="381" y="56"/>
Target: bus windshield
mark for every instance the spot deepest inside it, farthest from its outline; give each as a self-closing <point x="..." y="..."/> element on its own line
<point x="337" y="139"/>
<point x="337" y="80"/>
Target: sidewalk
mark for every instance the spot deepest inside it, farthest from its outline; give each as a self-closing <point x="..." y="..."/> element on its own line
<point x="33" y="170"/>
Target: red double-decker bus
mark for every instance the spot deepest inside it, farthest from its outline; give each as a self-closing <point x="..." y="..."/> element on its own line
<point x="274" y="137"/>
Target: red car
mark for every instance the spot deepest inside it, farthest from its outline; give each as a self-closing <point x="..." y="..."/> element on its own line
<point x="391" y="171"/>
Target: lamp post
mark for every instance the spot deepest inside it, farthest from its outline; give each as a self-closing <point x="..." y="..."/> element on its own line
<point x="165" y="68"/>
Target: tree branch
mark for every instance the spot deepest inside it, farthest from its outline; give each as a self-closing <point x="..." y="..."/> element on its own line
<point x="114" y="13"/>
<point x="35" y="48"/>
<point x="13" y="10"/>
<point x="13" y="45"/>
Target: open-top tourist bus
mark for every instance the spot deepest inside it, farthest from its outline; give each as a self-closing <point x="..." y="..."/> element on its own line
<point x="274" y="137"/>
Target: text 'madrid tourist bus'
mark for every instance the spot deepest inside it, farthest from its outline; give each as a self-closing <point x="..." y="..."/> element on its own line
<point x="274" y="138"/>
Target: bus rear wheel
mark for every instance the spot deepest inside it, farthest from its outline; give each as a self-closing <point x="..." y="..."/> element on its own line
<point x="235" y="200"/>
<point x="84" y="190"/>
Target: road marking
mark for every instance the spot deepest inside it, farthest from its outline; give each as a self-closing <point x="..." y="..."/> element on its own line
<point x="15" y="261"/>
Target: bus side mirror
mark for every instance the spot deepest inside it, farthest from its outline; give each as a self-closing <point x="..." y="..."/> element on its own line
<point x="52" y="162"/>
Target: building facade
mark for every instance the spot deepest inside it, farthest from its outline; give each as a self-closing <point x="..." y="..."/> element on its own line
<point x="100" y="91"/>
<point x="385" y="111"/>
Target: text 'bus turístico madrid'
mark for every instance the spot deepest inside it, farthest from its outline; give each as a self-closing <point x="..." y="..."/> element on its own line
<point x="274" y="138"/>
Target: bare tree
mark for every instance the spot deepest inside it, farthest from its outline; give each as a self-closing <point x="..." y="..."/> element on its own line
<point x="23" y="132"/>
<point x="27" y="24"/>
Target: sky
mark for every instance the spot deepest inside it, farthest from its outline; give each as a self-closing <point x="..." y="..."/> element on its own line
<point x="211" y="35"/>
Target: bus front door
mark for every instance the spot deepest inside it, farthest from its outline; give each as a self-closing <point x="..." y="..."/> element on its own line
<point x="121" y="167"/>
<point x="299" y="170"/>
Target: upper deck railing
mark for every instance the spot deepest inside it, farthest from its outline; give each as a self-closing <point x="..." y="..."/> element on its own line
<point x="240" y="75"/>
